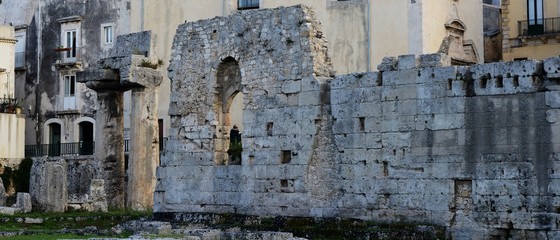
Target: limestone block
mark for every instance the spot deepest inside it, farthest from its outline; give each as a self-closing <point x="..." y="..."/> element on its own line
<point x="345" y="81"/>
<point x="552" y="99"/>
<point x="48" y="186"/>
<point x="388" y="64"/>
<point x="342" y="96"/>
<point x="552" y="67"/>
<point x="399" y="92"/>
<point x="446" y="121"/>
<point x="2" y="194"/>
<point x="396" y="140"/>
<point x="9" y="210"/>
<point x="402" y="77"/>
<point x="369" y="79"/>
<point x="553" y="116"/>
<point x="406" y="62"/>
<point x="98" y="197"/>
<point x="434" y="60"/>
<point x="311" y="84"/>
<point x="23" y="202"/>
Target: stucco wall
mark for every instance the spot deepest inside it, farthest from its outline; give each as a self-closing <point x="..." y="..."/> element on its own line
<point x="12" y="139"/>
<point x="7" y="49"/>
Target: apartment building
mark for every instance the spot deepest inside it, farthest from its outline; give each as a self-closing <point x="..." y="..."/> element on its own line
<point x="531" y="29"/>
<point x="12" y="120"/>
<point x="55" y="40"/>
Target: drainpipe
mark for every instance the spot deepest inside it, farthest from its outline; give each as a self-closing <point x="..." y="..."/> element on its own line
<point x="38" y="76"/>
<point x="142" y="16"/>
<point x="368" y="38"/>
<point x="224" y="8"/>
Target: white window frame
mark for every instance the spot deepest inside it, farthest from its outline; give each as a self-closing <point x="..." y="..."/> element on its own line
<point x="107" y="34"/>
<point x="69" y="89"/>
<point x="70" y="37"/>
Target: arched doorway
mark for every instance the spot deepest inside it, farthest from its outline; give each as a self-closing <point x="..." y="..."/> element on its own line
<point x="54" y="139"/>
<point x="86" y="138"/>
<point x="228" y="106"/>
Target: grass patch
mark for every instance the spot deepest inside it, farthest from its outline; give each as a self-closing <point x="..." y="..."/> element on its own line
<point x="59" y="224"/>
<point x="48" y="237"/>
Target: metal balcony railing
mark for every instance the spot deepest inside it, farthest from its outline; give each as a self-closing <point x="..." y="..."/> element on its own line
<point x="60" y="149"/>
<point x="545" y="26"/>
<point x="69" y="55"/>
<point x="247" y="4"/>
<point x="20" y="60"/>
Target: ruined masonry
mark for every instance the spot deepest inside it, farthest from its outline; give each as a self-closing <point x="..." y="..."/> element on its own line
<point x="132" y="66"/>
<point x="475" y="149"/>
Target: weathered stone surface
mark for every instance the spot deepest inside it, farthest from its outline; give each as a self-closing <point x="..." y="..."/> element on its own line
<point x="97" y="196"/>
<point x="131" y="66"/>
<point x="23" y="202"/>
<point x="48" y="188"/>
<point x="473" y="148"/>
<point x="2" y="194"/>
<point x="9" y="210"/>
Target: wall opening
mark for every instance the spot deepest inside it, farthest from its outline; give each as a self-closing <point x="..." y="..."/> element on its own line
<point x="286" y="156"/>
<point x="86" y="138"/>
<point x="228" y="106"/>
<point x="54" y="139"/>
<point x="269" y="128"/>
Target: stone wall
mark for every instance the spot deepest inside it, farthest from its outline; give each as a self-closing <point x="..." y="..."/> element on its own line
<point x="473" y="148"/>
<point x="61" y="183"/>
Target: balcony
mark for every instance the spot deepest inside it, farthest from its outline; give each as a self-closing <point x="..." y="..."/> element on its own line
<point x="11" y="105"/>
<point x="68" y="56"/>
<point x="539" y="27"/>
<point x="247" y="4"/>
<point x="20" y="60"/>
<point x="60" y="149"/>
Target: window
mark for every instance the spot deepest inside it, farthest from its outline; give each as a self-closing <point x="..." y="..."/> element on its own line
<point x="69" y="85"/>
<point x="20" y="50"/>
<point x="535" y="17"/>
<point x="69" y="92"/>
<point x="107" y="34"/>
<point x="247" y="4"/>
<point x="70" y="39"/>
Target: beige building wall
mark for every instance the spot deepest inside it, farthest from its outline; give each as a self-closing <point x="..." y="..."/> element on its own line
<point x="359" y="32"/>
<point x="534" y="47"/>
<point x="12" y="139"/>
<point x="12" y="126"/>
<point x="7" y="59"/>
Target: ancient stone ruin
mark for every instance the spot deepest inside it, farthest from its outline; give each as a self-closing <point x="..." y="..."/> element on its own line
<point x="473" y="148"/>
<point x="78" y="182"/>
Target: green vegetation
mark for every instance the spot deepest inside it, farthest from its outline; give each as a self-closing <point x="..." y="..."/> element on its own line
<point x="149" y="64"/>
<point x="60" y="225"/>
<point x="19" y="178"/>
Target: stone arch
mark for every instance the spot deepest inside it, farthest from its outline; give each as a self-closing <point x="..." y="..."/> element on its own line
<point x="85" y="134"/>
<point x="228" y="87"/>
<point x="53" y="136"/>
<point x="47" y="130"/>
<point x="77" y="129"/>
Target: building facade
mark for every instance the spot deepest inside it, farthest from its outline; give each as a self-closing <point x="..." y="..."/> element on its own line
<point x="12" y="121"/>
<point x="56" y="39"/>
<point x="531" y="29"/>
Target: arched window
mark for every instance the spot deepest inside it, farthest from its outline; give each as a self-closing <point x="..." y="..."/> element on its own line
<point x="86" y="138"/>
<point x="229" y="111"/>
<point x="54" y="139"/>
